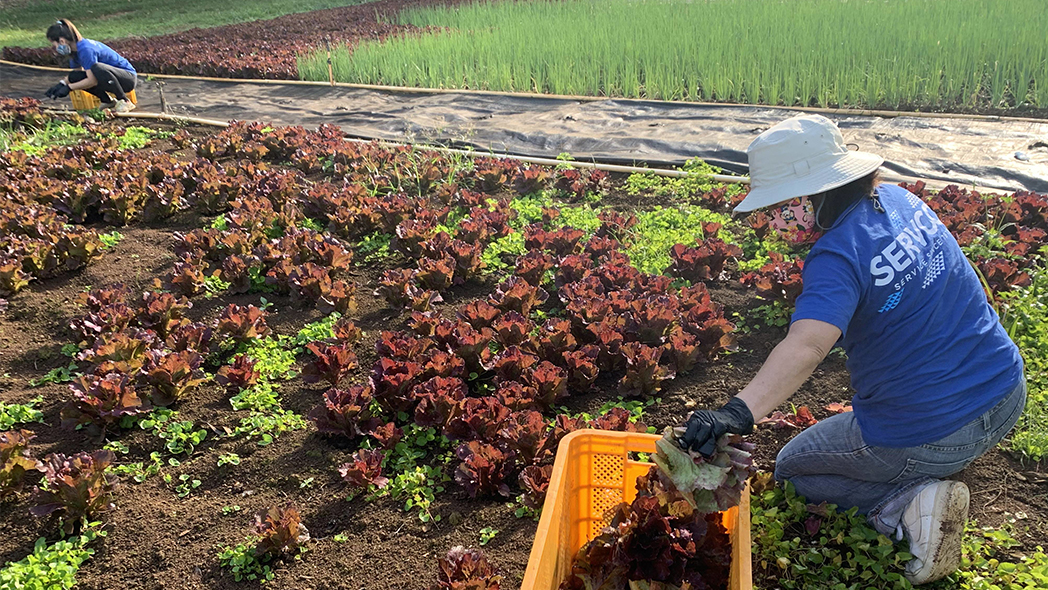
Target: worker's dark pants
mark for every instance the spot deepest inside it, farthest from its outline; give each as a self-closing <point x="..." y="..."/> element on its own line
<point x="115" y="81"/>
<point x="830" y="462"/>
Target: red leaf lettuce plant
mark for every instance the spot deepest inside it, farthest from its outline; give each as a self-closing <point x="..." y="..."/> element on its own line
<point x="364" y="470"/>
<point x="76" y="487"/>
<point x="466" y="569"/>
<point x="15" y="460"/>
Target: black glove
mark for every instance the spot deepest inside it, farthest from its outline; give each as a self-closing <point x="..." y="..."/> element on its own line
<point x="60" y="90"/>
<point x="704" y="427"/>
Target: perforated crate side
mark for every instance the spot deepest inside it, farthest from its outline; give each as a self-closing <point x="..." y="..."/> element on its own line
<point x="593" y="473"/>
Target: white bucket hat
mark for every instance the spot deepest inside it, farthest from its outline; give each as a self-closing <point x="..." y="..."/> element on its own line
<point x="798" y="157"/>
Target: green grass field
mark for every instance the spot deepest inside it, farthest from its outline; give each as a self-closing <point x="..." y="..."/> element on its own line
<point x="924" y="54"/>
<point x="24" y="24"/>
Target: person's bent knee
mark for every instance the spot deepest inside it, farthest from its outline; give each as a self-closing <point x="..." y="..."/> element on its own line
<point x="782" y="472"/>
<point x="786" y="466"/>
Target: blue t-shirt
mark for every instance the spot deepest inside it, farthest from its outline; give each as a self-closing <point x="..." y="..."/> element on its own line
<point x="926" y="352"/>
<point x="89" y="52"/>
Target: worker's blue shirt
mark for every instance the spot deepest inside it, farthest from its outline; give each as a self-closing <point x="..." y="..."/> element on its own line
<point x="89" y="52"/>
<point x="926" y="352"/>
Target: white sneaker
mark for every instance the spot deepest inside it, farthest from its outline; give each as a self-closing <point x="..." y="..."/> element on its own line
<point x="934" y="523"/>
<point x="124" y="106"/>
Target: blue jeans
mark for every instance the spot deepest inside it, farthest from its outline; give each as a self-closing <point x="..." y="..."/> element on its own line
<point x="830" y="462"/>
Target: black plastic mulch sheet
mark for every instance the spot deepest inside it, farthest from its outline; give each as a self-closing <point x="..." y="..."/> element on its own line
<point x="1006" y="155"/>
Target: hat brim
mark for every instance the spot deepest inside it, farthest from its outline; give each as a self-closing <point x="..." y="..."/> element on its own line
<point x="851" y="166"/>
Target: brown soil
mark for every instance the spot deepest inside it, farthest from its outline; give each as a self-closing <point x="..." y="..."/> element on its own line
<point x="157" y="541"/>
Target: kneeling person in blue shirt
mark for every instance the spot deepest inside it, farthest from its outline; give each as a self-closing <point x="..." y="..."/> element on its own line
<point x="938" y="381"/>
<point x="101" y="71"/>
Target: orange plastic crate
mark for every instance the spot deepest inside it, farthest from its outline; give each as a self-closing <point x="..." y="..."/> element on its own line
<point x="85" y="101"/>
<point x="595" y="470"/>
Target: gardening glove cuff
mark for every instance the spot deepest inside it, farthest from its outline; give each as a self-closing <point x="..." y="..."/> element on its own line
<point x="705" y="427"/>
<point x="740" y="418"/>
<point x="60" y="90"/>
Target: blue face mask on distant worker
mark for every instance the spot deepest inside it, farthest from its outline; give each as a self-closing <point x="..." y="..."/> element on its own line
<point x="63" y="49"/>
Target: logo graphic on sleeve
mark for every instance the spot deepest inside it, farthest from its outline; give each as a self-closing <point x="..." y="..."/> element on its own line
<point x="896" y="220"/>
<point x="935" y="269"/>
<point x="892" y="302"/>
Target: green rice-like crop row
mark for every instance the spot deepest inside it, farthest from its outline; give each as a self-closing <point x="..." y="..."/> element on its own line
<point x="925" y="54"/>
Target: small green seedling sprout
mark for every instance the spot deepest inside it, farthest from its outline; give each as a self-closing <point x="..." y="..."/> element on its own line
<point x="487" y="534"/>
<point x="228" y="459"/>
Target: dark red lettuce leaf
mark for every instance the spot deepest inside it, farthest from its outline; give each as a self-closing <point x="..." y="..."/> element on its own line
<point x="345" y="412"/>
<point x="102" y="401"/>
<point x="334" y="363"/>
<point x="477" y="418"/>
<point x="280" y="531"/>
<point x="550" y="383"/>
<point x="512" y="329"/>
<point x="77" y="487"/>
<point x="15" y="460"/>
<point x="392" y="381"/>
<point x="438" y="401"/>
<point x="703" y="262"/>
<point x="644" y="374"/>
<point x="240" y="374"/>
<point x="242" y="324"/>
<point x="525" y="433"/>
<point x="779" y="280"/>
<point x="387" y="435"/>
<point x="364" y="469"/>
<point x="533" y="265"/>
<point x="516" y="294"/>
<point x="534" y="481"/>
<point x="582" y="367"/>
<point x="484" y="470"/>
<point x="171" y="375"/>
<point x="466" y="569"/>
<point x="479" y="313"/>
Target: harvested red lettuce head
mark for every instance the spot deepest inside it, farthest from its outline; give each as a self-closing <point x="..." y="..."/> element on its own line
<point x="709" y="484"/>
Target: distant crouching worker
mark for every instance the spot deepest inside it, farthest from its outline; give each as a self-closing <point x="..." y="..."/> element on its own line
<point x="98" y="69"/>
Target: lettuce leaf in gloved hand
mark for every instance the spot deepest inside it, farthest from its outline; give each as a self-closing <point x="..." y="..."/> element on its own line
<point x="711" y="484"/>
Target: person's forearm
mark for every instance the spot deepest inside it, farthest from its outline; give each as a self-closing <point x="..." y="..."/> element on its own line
<point x="787" y="367"/>
<point x="81" y="85"/>
<point x="88" y="82"/>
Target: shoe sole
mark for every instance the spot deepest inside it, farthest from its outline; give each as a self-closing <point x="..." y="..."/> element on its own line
<point x="946" y="557"/>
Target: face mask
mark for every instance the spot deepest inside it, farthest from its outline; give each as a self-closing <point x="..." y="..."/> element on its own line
<point x="63" y="49"/>
<point x="795" y="221"/>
